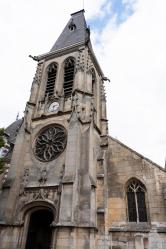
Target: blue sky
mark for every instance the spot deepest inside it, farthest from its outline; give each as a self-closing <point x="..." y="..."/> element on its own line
<point x="119" y="10"/>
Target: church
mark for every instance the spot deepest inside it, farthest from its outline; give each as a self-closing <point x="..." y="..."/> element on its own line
<point x="67" y="183"/>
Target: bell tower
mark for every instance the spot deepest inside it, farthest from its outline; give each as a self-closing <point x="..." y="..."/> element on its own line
<point x="56" y="177"/>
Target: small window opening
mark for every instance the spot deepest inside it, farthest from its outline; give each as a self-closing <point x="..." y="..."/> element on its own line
<point x="68" y="77"/>
<point x="136" y="201"/>
<point x="94" y="89"/>
<point x="51" y="78"/>
<point x="72" y="26"/>
<point x="93" y="81"/>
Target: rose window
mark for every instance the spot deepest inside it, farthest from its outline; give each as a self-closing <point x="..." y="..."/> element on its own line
<point x="50" y="143"/>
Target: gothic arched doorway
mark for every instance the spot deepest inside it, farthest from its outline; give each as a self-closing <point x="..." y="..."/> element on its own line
<point x="39" y="231"/>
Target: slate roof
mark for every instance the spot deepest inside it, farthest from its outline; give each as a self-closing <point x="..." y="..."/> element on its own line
<point x="12" y="130"/>
<point x="79" y="34"/>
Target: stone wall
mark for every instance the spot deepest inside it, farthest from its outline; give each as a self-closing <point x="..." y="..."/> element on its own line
<point x="124" y="164"/>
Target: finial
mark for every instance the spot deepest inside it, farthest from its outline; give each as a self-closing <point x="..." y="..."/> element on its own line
<point x="17" y="117"/>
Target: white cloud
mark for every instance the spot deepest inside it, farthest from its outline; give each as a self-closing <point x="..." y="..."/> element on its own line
<point x="133" y="55"/>
<point x="95" y="8"/>
<point x="130" y="3"/>
<point x="136" y="64"/>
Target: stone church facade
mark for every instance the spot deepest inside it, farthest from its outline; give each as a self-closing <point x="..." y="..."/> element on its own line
<point x="67" y="183"/>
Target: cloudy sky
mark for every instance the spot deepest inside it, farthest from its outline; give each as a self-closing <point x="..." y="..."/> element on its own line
<point x="129" y="39"/>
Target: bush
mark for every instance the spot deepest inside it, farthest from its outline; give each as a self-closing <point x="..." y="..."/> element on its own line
<point x="2" y="143"/>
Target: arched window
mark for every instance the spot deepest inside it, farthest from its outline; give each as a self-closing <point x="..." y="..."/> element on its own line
<point x="136" y="201"/>
<point x="51" y="78"/>
<point x="68" y="77"/>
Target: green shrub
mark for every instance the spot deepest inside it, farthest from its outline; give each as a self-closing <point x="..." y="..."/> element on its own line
<point x="1" y="131"/>
<point x="2" y="143"/>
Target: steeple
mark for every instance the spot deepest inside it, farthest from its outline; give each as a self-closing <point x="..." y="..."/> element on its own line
<point x="75" y="33"/>
<point x="66" y="184"/>
<point x="60" y="144"/>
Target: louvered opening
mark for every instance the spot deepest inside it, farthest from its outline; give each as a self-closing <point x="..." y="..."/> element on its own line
<point x="51" y="78"/>
<point x="68" y="77"/>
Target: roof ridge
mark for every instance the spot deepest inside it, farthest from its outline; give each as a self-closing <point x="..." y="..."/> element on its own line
<point x="79" y="11"/>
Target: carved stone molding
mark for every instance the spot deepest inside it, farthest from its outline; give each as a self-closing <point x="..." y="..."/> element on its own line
<point x="24" y="181"/>
<point x="36" y="194"/>
<point x="43" y="176"/>
<point x="102" y="91"/>
<point x="27" y="118"/>
<point x="36" y="83"/>
<point x="38" y="74"/>
<point x="84" y="62"/>
<point x="32" y="101"/>
<point x="80" y="62"/>
<point x="89" y="64"/>
<point x="84" y="111"/>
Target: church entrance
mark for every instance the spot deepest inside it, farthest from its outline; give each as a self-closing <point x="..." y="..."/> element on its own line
<point x="40" y="231"/>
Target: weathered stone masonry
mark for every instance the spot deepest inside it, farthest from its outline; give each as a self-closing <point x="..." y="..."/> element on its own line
<point x="89" y="189"/>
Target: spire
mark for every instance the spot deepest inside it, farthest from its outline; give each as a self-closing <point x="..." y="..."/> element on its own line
<point x="75" y="33"/>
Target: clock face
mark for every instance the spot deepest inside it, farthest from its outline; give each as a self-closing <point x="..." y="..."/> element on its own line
<point x="53" y="107"/>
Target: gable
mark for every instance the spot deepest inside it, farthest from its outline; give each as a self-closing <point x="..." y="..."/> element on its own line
<point x="124" y="164"/>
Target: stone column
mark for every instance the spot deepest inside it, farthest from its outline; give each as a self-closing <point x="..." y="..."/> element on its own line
<point x="79" y="80"/>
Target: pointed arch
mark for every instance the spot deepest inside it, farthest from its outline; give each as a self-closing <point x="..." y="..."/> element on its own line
<point x="36" y="205"/>
<point x="136" y="200"/>
<point x="69" y="69"/>
<point x="39" y="234"/>
<point x="35" y="215"/>
<point x="51" y="78"/>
